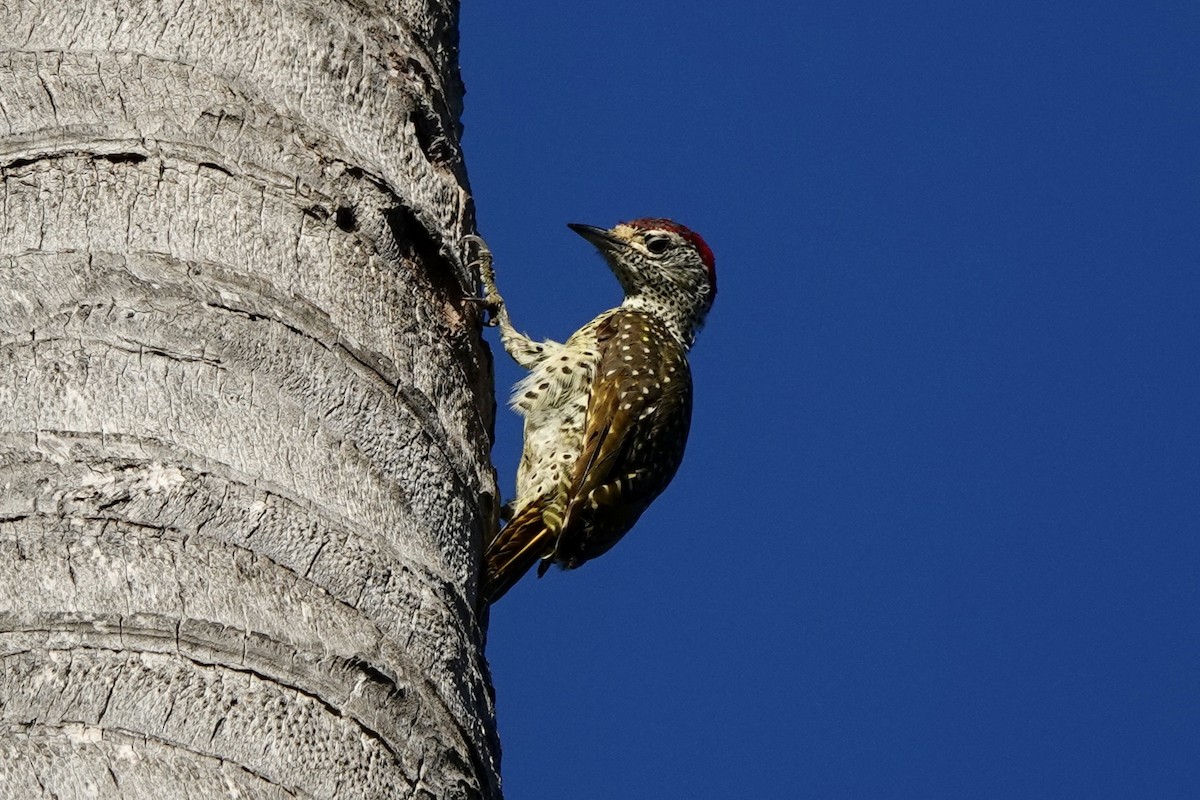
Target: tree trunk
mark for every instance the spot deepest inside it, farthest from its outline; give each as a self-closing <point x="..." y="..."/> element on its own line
<point x="244" y="411"/>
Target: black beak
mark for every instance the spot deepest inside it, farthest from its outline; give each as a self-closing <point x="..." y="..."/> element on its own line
<point x="597" y="236"/>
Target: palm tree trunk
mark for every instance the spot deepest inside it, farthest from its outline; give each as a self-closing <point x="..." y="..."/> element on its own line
<point x="244" y="411"/>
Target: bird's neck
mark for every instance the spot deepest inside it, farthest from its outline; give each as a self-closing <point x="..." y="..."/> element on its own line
<point x="683" y="323"/>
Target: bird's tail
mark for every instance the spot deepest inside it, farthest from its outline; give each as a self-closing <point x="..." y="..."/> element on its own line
<point x="524" y="540"/>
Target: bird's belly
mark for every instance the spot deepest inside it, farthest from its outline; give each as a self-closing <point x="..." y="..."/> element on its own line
<point x="553" y="398"/>
<point x="553" y="443"/>
<point x="555" y="409"/>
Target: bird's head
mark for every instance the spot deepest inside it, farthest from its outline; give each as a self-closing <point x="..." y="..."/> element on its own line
<point x="663" y="267"/>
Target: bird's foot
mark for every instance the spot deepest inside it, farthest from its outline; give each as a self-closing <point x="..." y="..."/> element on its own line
<point x="480" y="258"/>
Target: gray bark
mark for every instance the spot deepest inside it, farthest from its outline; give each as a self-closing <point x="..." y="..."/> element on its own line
<point x="244" y="411"/>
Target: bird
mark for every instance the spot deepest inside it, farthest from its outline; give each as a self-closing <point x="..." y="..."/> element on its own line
<point x="606" y="413"/>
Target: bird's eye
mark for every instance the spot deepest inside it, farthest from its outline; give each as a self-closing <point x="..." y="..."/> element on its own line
<point x="658" y="244"/>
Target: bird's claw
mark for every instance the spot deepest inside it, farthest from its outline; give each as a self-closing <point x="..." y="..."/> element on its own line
<point x="477" y="247"/>
<point x="486" y="305"/>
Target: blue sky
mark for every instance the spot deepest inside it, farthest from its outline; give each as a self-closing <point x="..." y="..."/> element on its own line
<point x="936" y="532"/>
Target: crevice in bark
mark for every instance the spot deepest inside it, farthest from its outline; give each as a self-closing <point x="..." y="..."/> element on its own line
<point x="345" y="219"/>
<point x="128" y="158"/>
<point x="215" y="167"/>
<point x="432" y="138"/>
<point x="59" y="155"/>
<point x="421" y="247"/>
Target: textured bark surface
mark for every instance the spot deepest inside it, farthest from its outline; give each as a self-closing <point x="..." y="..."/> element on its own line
<point x="244" y="413"/>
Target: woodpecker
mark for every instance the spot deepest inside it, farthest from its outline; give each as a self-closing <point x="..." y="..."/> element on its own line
<point x="606" y="413"/>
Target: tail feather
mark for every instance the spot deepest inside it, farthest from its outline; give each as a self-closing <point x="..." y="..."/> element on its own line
<point x="524" y="541"/>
